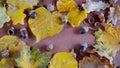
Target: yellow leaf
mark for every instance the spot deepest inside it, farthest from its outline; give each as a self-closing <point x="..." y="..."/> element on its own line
<point x="3" y="16"/>
<point x="6" y="63"/>
<point x="16" y="15"/>
<point x="63" y="60"/>
<point x="110" y="39"/>
<point x="66" y="5"/>
<point x="14" y="45"/>
<point x="22" y="4"/>
<point x="46" y="24"/>
<point x="75" y="17"/>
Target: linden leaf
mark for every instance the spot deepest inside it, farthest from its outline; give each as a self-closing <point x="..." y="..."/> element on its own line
<point x="63" y="60"/>
<point x="22" y="4"/>
<point x="3" y="16"/>
<point x="46" y="24"/>
<point x="94" y="61"/>
<point x="110" y="39"/>
<point x="66" y="5"/>
<point x="6" y="63"/>
<point x="16" y="15"/>
<point x="32" y="59"/>
<point x="75" y="17"/>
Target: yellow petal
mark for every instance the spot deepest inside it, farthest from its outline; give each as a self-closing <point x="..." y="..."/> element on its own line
<point x="75" y="17"/>
<point x="63" y="60"/>
<point x="46" y="24"/>
<point x="66" y="5"/>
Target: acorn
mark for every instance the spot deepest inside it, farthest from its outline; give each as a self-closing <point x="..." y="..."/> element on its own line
<point x="97" y="24"/>
<point x="5" y="53"/>
<point x="23" y="33"/>
<point x="74" y="55"/>
<point x="83" y="47"/>
<point x="91" y="20"/>
<point x="50" y="7"/>
<point x="32" y="14"/>
<point x="11" y="31"/>
<point x="102" y="17"/>
<point x="84" y="30"/>
<point x="49" y="47"/>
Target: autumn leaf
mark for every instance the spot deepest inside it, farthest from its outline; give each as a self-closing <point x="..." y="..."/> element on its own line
<point x="22" y="4"/>
<point x="13" y="45"/>
<point x="75" y="17"/>
<point x="16" y="15"/>
<point x="6" y="63"/>
<point x="32" y="59"/>
<point x="3" y="16"/>
<point x="110" y="39"/>
<point x="63" y="60"/>
<point x="46" y="24"/>
<point x="2" y="2"/>
<point x="94" y="61"/>
<point x="66" y="5"/>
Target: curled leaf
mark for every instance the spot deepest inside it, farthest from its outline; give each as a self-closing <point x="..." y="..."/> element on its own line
<point x="75" y="17"/>
<point x="3" y="16"/>
<point x="110" y="39"/>
<point x="66" y="5"/>
<point x="94" y="6"/>
<point x="46" y="23"/>
<point x="63" y="60"/>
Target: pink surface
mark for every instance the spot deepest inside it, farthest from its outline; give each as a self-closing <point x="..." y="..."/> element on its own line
<point x="68" y="39"/>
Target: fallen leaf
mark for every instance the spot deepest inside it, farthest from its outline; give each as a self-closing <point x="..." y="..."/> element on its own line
<point x="110" y="39"/>
<point x="75" y="17"/>
<point x="3" y="16"/>
<point x="63" y="60"/>
<point x="94" y="61"/>
<point x="32" y="59"/>
<point x="66" y="5"/>
<point x="94" y="6"/>
<point x="22" y="4"/>
<point x="45" y="24"/>
<point x="16" y="15"/>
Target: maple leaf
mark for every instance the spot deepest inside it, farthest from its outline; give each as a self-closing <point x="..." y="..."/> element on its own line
<point x="63" y="60"/>
<point x="46" y="23"/>
<point x="110" y="39"/>
<point x="66" y="5"/>
<point x="32" y="59"/>
<point x="3" y="16"/>
<point x="13" y="45"/>
<point x="75" y="17"/>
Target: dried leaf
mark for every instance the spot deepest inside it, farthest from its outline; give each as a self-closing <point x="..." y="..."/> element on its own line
<point x="66" y="5"/>
<point x="75" y="17"/>
<point x="94" y="6"/>
<point x="3" y="16"/>
<point x="46" y="24"/>
<point x="94" y="61"/>
<point x="110" y="39"/>
<point x="63" y="60"/>
<point x="32" y="59"/>
<point x="16" y="15"/>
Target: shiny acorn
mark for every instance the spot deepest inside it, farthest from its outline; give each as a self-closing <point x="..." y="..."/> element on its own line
<point x="83" y="47"/>
<point x="23" y="33"/>
<point x="50" y="7"/>
<point x="84" y="30"/>
<point x="11" y="31"/>
<point x="49" y="47"/>
<point x="5" y="53"/>
<point x="32" y="14"/>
